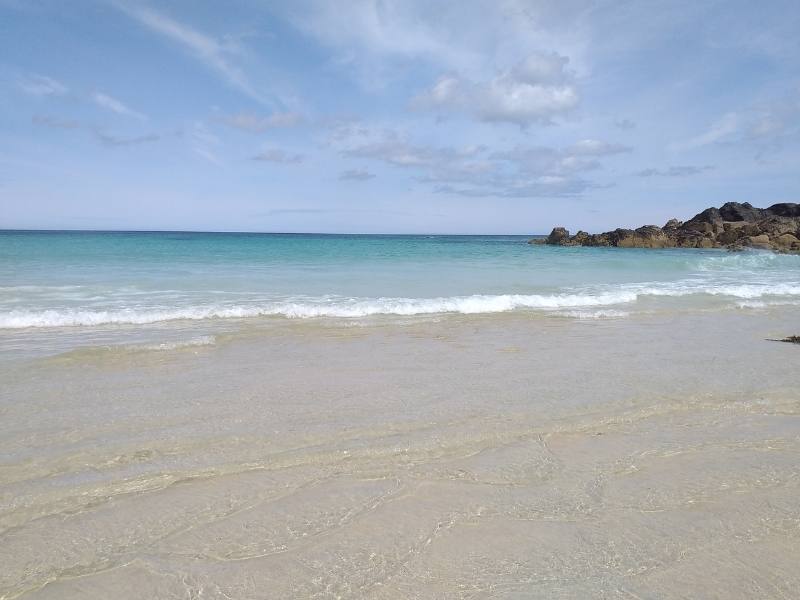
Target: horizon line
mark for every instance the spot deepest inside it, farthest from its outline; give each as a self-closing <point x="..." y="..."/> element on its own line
<point x="27" y="230"/>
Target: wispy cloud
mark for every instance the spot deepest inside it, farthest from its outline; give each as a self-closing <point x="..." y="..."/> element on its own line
<point x="279" y="156"/>
<point x="116" y="140"/>
<point x="721" y="129"/>
<point x="39" y="85"/>
<point x="521" y="172"/>
<point x="56" y="123"/>
<point x="106" y="138"/>
<point x="675" y="171"/>
<point x="356" y="175"/>
<point x="204" y="143"/>
<point x="275" y="212"/>
<point x="763" y="126"/>
<point x="258" y="124"/>
<point x="213" y="53"/>
<point x="117" y="106"/>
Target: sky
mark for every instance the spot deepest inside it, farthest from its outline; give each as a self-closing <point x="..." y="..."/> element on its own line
<point x="376" y="116"/>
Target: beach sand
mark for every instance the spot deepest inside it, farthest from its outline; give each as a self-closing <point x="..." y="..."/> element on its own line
<point x="501" y="456"/>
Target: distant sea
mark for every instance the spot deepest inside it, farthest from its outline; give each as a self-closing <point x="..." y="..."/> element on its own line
<point x="112" y="282"/>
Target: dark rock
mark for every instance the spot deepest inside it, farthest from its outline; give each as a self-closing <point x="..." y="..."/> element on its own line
<point x="621" y="237"/>
<point x="704" y="221"/>
<point x="581" y="238"/>
<point x="777" y="226"/>
<point x="734" y="226"/>
<point x="792" y="339"/>
<point x="600" y="239"/>
<point x="733" y="211"/>
<point x="558" y="236"/>
<point x="730" y="235"/>
<point x="786" y="209"/>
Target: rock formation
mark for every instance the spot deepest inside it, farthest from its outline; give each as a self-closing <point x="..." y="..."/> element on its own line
<point x="792" y="339"/>
<point x="734" y="226"/>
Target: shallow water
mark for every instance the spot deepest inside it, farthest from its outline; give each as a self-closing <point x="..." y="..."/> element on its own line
<point x="510" y="455"/>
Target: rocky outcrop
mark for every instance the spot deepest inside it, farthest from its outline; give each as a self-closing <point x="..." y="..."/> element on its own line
<point x="792" y="339"/>
<point x="733" y="225"/>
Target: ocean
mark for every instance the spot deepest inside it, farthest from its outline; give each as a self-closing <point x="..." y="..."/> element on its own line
<point x="202" y="415"/>
<point x="112" y="287"/>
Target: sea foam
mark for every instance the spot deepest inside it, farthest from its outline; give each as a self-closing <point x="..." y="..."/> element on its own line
<point x="340" y="307"/>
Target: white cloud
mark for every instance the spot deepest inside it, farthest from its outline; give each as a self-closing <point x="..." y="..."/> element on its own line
<point x="537" y="89"/>
<point x="367" y="31"/>
<point x="522" y="172"/>
<point x="581" y="156"/>
<point x="39" y="85"/>
<point x="114" y="105"/>
<point x="369" y="39"/>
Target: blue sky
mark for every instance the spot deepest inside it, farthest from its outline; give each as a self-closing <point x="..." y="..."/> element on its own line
<point x="376" y="116"/>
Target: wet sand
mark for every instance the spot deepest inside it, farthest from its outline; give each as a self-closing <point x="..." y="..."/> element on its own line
<point x="504" y="456"/>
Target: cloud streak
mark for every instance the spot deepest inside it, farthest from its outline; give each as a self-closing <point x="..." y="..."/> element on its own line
<point x="356" y="175"/>
<point x="253" y="123"/>
<point x="116" y="106"/>
<point x="675" y="171"/>
<point x="39" y="85"/>
<point x="279" y="156"/>
<point x="107" y="139"/>
<point x="209" y="51"/>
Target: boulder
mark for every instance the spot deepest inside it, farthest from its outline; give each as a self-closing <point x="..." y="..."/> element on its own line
<point x="785" y="209"/>
<point x="730" y="235"/>
<point x="581" y="238"/>
<point x="777" y="226"/>
<point x="759" y="241"/>
<point x="558" y="236"/>
<point x="652" y="236"/>
<point x="671" y="227"/>
<point x="734" y="211"/>
<point x="704" y="222"/>
<point x="787" y="241"/>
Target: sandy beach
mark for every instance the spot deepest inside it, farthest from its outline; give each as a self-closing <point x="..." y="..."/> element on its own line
<point x="456" y="457"/>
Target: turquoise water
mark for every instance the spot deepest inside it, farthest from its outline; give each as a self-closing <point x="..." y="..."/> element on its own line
<point x="101" y="279"/>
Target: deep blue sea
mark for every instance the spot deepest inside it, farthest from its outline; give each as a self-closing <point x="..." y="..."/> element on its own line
<point x="90" y="279"/>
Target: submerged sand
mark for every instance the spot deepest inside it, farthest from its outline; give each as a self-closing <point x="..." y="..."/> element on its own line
<point x="463" y="457"/>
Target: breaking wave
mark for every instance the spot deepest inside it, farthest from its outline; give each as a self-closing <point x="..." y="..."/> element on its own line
<point x="340" y="307"/>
